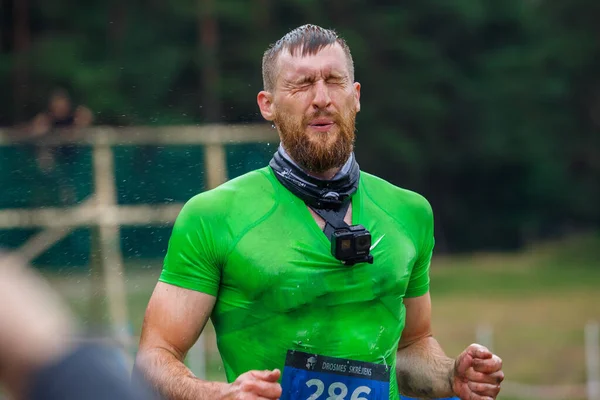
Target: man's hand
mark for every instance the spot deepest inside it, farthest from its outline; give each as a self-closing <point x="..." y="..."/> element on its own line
<point x="255" y="385"/>
<point x="477" y="374"/>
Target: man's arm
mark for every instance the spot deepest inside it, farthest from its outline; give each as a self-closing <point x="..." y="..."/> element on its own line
<point x="422" y="367"/>
<point x="174" y="319"/>
<point x="424" y="371"/>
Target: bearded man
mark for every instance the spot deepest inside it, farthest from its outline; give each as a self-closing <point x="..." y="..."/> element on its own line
<point x="314" y="273"/>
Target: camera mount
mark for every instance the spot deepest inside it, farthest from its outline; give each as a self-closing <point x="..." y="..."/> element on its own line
<point x="351" y="244"/>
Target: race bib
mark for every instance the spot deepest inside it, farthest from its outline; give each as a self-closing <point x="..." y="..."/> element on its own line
<point x="313" y="377"/>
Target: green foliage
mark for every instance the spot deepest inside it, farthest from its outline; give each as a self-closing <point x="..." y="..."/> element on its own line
<point x="488" y="108"/>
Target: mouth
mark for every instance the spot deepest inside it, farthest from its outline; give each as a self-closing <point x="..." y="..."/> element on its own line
<point x="321" y="125"/>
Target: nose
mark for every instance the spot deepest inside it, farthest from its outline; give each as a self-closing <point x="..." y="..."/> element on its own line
<point x="321" y="99"/>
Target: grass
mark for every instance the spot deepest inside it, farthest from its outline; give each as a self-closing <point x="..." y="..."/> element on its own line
<point x="537" y="303"/>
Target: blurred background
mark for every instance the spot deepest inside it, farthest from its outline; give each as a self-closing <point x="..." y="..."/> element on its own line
<point x="120" y="111"/>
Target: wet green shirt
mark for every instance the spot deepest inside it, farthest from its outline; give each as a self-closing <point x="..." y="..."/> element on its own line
<point x="256" y="247"/>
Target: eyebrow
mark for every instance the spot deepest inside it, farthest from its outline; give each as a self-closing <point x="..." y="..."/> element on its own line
<point x="304" y="79"/>
<point x="336" y="75"/>
<point x="311" y="76"/>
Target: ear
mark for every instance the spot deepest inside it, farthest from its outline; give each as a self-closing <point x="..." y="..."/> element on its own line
<point x="265" y="104"/>
<point x="357" y="95"/>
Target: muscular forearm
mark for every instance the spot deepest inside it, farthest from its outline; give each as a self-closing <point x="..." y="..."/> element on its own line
<point x="171" y="379"/>
<point x="424" y="371"/>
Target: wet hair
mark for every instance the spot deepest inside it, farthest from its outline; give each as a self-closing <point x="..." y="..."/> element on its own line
<point x="304" y="40"/>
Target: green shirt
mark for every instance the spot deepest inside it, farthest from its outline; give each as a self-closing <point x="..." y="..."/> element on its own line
<point x="256" y="247"/>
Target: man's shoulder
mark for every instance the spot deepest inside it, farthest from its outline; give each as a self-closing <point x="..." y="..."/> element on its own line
<point x="391" y="196"/>
<point x="251" y="192"/>
<point x="256" y="182"/>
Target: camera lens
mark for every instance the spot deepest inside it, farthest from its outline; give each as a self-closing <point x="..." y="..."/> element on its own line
<point x="363" y="242"/>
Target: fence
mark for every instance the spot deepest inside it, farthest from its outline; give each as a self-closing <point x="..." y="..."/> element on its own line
<point x="589" y="391"/>
<point x="101" y="212"/>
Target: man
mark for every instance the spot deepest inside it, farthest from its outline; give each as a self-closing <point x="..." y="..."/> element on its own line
<point x="61" y="115"/>
<point x="295" y="316"/>
<point x="39" y="359"/>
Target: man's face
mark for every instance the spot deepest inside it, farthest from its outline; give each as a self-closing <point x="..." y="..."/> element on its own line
<point x="314" y="106"/>
<point x="60" y="106"/>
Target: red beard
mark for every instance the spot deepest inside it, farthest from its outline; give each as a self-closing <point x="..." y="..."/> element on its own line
<point x="317" y="152"/>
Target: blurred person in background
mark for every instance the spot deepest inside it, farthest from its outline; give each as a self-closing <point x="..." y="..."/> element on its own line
<point x="60" y="116"/>
<point x="39" y="356"/>
<point x="298" y="314"/>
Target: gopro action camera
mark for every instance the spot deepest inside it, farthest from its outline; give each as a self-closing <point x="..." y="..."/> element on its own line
<point x="352" y="245"/>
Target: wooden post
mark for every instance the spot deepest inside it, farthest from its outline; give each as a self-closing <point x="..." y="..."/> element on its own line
<point x="109" y="242"/>
<point x="592" y="358"/>
<point x="215" y="163"/>
<point x="215" y="167"/>
<point x="197" y="357"/>
<point x="96" y="308"/>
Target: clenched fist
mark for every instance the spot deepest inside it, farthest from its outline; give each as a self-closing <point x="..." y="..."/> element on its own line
<point x="477" y="374"/>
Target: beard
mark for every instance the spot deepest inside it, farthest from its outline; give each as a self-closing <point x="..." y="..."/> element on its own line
<point x="317" y="152"/>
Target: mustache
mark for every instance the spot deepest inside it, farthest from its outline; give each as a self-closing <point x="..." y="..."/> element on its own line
<point x="323" y="114"/>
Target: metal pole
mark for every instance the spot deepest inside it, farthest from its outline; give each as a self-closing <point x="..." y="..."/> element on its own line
<point x="485" y="336"/>
<point x="592" y="358"/>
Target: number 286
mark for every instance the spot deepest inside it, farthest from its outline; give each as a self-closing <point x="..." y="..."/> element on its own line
<point x="336" y="391"/>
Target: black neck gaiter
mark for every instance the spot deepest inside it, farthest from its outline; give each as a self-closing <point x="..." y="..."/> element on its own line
<point x="315" y="192"/>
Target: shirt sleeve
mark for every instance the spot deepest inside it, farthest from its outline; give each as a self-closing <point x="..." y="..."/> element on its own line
<point x="193" y="260"/>
<point x="418" y="284"/>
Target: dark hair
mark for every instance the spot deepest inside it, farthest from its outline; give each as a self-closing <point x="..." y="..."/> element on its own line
<point x="309" y="39"/>
<point x="61" y="93"/>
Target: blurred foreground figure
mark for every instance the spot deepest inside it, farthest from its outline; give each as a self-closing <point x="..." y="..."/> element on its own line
<point x="314" y="273"/>
<point x="38" y="358"/>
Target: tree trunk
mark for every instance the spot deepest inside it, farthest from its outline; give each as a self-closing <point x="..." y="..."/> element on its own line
<point x="117" y="27"/>
<point x="2" y="26"/>
<point x="21" y="44"/>
<point x="209" y="66"/>
<point x="262" y="14"/>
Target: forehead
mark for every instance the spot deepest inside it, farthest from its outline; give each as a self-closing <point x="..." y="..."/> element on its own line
<point x="327" y="60"/>
<point x="59" y="98"/>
